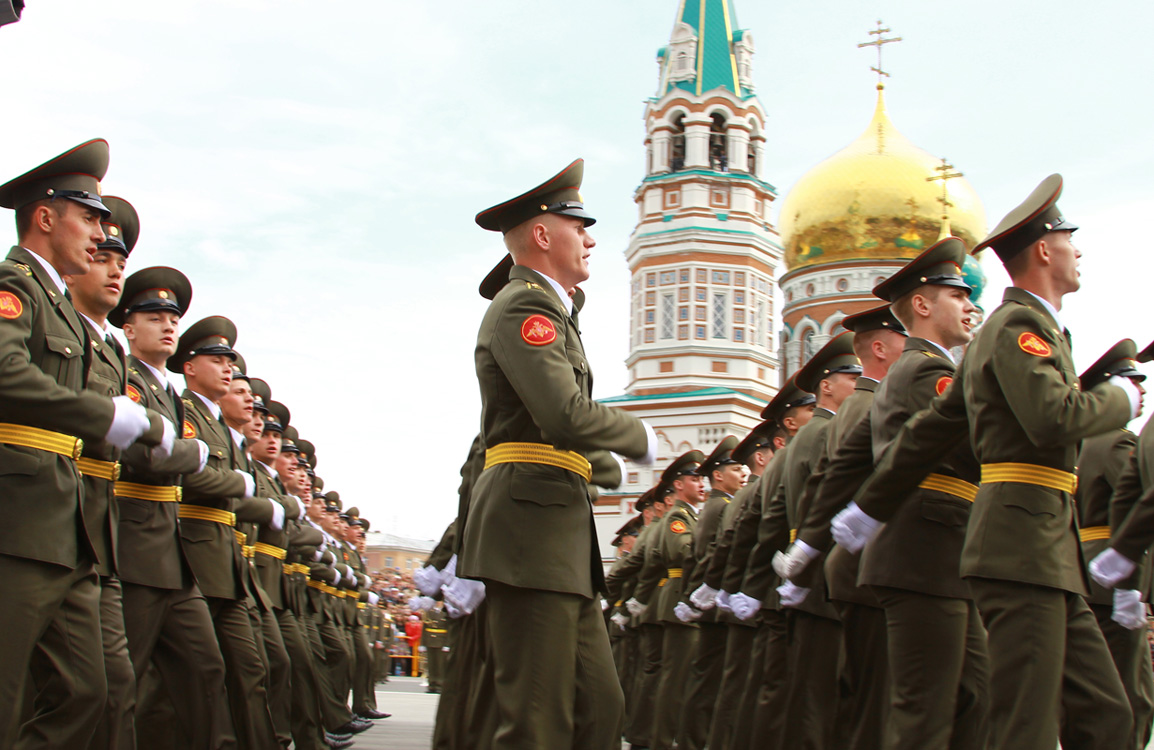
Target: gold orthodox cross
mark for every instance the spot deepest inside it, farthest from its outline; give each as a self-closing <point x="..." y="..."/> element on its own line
<point x="879" y="40"/>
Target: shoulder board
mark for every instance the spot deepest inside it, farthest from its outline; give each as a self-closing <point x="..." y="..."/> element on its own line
<point x="188" y="402"/>
<point x="931" y="355"/>
<point x="534" y="285"/>
<point x="24" y="267"/>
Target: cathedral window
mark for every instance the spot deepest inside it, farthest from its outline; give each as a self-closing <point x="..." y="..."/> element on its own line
<point x="648" y="335"/>
<point x="683" y="294"/>
<point x="760" y="321"/>
<point x="649" y="298"/>
<point x="699" y="312"/>
<point x="718" y="152"/>
<point x="700" y="332"/>
<point x="739" y="296"/>
<point x="739" y="316"/>
<point x="739" y="334"/>
<point x="700" y="294"/>
<point x="667" y="277"/>
<point x="683" y="313"/>
<point x="809" y="347"/>
<point x="701" y="276"/>
<point x="682" y="332"/>
<point x="721" y="277"/>
<point x="667" y="315"/>
<point x="650" y="279"/>
<point x="677" y="144"/>
<point x="684" y="275"/>
<point x="719" y="323"/>
<point x="739" y="278"/>
<point x="842" y="284"/>
<point x="649" y="317"/>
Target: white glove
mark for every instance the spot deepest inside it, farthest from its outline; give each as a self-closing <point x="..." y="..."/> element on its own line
<point x="129" y="421"/>
<point x="1127" y="385"/>
<point x="373" y="599"/>
<point x="619" y="620"/>
<point x="249" y="483"/>
<point x="1129" y="609"/>
<point x="277" y="522"/>
<point x="853" y="527"/>
<point x="704" y="597"/>
<point x="722" y="601"/>
<point x="203" y="446"/>
<point x="604" y="605"/>
<point x="1110" y="567"/>
<point x="651" y="449"/>
<point x="428" y="580"/>
<point x="336" y="577"/>
<point x="791" y="562"/>
<point x="791" y="594"/>
<point x="167" y="438"/>
<point x="464" y="593"/>
<point x="686" y="613"/>
<point x="351" y="577"/>
<point x="744" y="607"/>
<point x="451" y="566"/>
<point x="454" y="613"/>
<point x="635" y="607"/>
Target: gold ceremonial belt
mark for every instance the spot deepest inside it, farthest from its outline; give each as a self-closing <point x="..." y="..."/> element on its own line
<point x="1042" y="476"/>
<point x="241" y="538"/>
<point x="270" y="550"/>
<point x="301" y="568"/>
<point x="44" y="440"/>
<point x="147" y="492"/>
<point x="288" y="569"/>
<point x="338" y="593"/>
<point x="1094" y="533"/>
<point x="539" y="453"/>
<point x="662" y="582"/>
<point x="90" y="467"/>
<point x="361" y="605"/>
<point x="200" y="513"/>
<point x="957" y="487"/>
<point x="319" y="586"/>
<point x="435" y="630"/>
<point x="792" y="536"/>
<point x="674" y="572"/>
<point x="247" y="550"/>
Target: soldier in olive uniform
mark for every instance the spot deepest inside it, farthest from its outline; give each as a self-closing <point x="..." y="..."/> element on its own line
<point x="529" y="529"/>
<point x="51" y="617"/>
<point x="622" y="638"/>
<point x="434" y="638"/>
<point x="1017" y="395"/>
<point x="1104" y="463"/>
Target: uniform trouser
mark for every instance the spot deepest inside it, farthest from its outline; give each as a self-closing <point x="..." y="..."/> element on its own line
<point x="116" y="730"/>
<point x="677" y="644"/>
<point x="270" y="644"/>
<point x="1131" y="654"/>
<point x="467" y="711"/>
<point x="444" y="726"/>
<point x="939" y="671"/>
<point x="172" y="629"/>
<point x="768" y="690"/>
<point x="305" y="710"/>
<point x="436" y="668"/>
<point x="639" y="724"/>
<point x="704" y="683"/>
<point x="245" y="676"/>
<point x="340" y="665"/>
<point x="812" y="705"/>
<point x="1050" y="670"/>
<point x="50" y="621"/>
<point x="555" y="684"/>
<point x="364" y="696"/>
<point x="319" y="636"/>
<point x="864" y="677"/>
<point x="734" y="678"/>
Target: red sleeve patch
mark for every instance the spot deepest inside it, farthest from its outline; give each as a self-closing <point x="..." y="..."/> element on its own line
<point x="10" y="306"/>
<point x="538" y="330"/>
<point x="678" y="526"/>
<point x="1030" y="343"/>
<point x="189" y="431"/>
<point x="133" y="394"/>
<point x="942" y="384"/>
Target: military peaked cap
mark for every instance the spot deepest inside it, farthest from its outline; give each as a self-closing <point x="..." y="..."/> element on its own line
<point x="156" y="288"/>
<point x="121" y="228"/>
<point x="212" y="335"/>
<point x="75" y="175"/>
<point x="836" y="356"/>
<point x="940" y="264"/>
<point x="1029" y="221"/>
<point x="1118" y="360"/>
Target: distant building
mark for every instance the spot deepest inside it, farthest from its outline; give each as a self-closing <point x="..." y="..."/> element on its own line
<point x="392" y="552"/>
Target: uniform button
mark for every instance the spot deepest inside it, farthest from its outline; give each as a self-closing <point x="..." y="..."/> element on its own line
<point x="68" y="350"/>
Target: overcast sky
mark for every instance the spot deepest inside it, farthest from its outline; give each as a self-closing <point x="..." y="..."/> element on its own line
<point x="314" y="168"/>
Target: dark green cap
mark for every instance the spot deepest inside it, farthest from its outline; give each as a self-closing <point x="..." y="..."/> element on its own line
<point x="239" y="368"/>
<point x="308" y="452"/>
<point x="212" y="335"/>
<point x="722" y="454"/>
<point x="333" y="501"/>
<point x="1118" y="360"/>
<point x="1029" y="222"/>
<point x="318" y="484"/>
<point x="261" y="395"/>
<point x="121" y="228"/>
<point x="288" y="440"/>
<point x="75" y="175"/>
<point x="632" y="527"/>
<point x="836" y="356"/>
<point x="278" y="418"/>
<point x="560" y="194"/>
<point x="1146" y="354"/>
<point x="875" y="319"/>
<point x="787" y="398"/>
<point x="940" y="264"/>
<point x="684" y="465"/>
<point x="156" y="288"/>
<point x="759" y="437"/>
<point x="652" y="495"/>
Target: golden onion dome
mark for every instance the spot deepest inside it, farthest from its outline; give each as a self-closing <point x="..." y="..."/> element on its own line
<point x="872" y="199"/>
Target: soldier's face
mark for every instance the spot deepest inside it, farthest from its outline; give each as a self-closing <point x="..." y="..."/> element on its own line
<point x="286" y="469"/>
<point x="797" y="417"/>
<point x="266" y="447"/>
<point x="838" y="387"/>
<point x="691" y="488"/>
<point x="236" y="405"/>
<point x="569" y="247"/>
<point x="152" y="335"/>
<point x="210" y="373"/>
<point x="949" y="314"/>
<point x="1141" y="394"/>
<point x="97" y="292"/>
<point x="728" y="478"/>
<point x="74" y="232"/>
<point x="1064" y="261"/>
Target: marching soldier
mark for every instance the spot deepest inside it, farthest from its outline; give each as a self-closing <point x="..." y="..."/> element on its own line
<point x="528" y="531"/>
<point x="52" y="591"/>
<point x="434" y="638"/>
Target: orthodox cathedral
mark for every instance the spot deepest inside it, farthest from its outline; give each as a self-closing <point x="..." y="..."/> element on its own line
<point x="725" y="305"/>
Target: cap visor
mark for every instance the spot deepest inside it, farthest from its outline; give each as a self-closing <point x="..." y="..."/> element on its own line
<point x="93" y="203"/>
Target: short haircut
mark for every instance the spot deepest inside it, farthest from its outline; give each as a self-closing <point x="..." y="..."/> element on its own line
<point x="903" y="307"/>
<point x="24" y="214"/>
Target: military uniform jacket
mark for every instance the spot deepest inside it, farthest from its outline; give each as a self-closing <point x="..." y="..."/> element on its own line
<point x="44" y="362"/>
<point x="435" y="633"/>
<point x="211" y="548"/>
<point x="671" y="551"/>
<point x="148" y="544"/>
<point x="1017" y="394"/>
<point x="270" y="569"/>
<point x="1132" y="524"/>
<point x="625" y="582"/>
<point x="704" y="539"/>
<point x="752" y="573"/>
<point x="445" y="548"/>
<point x="920" y="547"/>
<point x="1101" y="463"/>
<point x="717" y="559"/>
<point x="531" y="525"/>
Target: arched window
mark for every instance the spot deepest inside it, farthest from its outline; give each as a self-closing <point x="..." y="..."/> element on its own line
<point x="718" y="158"/>
<point x="677" y="144"/>
<point x="682" y="63"/>
<point x="809" y="347"/>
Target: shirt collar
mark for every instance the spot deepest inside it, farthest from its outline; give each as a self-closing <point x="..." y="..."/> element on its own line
<point x="52" y="273"/>
<point x="564" y="295"/>
<point x="101" y="332"/>
<point x="211" y="406"/>
<point x="237" y="438"/>
<point x="943" y="350"/>
<point x="267" y="469"/>
<point x="158" y="374"/>
<point x="1049" y="308"/>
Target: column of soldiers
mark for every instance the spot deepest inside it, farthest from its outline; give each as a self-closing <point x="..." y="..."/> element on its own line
<point x="174" y="576"/>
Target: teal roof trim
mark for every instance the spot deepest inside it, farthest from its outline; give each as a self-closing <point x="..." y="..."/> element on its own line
<point x="686" y="394"/>
<point x="715" y="24"/>
<point x="729" y="175"/>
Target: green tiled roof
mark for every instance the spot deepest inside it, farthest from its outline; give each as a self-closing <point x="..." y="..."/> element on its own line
<point x="682" y="395"/>
<point x="715" y="24"/>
